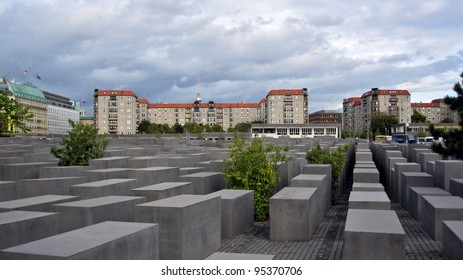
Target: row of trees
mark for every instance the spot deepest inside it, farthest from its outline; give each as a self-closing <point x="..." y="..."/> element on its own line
<point x="147" y="127"/>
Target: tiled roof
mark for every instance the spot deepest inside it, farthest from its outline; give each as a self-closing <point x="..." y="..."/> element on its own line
<point x="352" y="99"/>
<point x="204" y="105"/>
<point x="387" y="92"/>
<point x="425" y="105"/>
<point x="286" y="92"/>
<point x="143" y="100"/>
<point x="113" y="92"/>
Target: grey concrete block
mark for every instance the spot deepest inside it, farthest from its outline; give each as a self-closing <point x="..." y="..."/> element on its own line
<point x="373" y="235"/>
<point x="43" y="186"/>
<point x="445" y="170"/>
<point x="104" y="241"/>
<point x="147" y="161"/>
<point x="154" y="175"/>
<point x="366" y="175"/>
<point x="109" y="162"/>
<point x="430" y="166"/>
<point x="104" y="188"/>
<point x="105" y="174"/>
<point x="369" y="200"/>
<point x="238" y="256"/>
<point x="164" y="190"/>
<point x="38" y="203"/>
<point x="39" y="157"/>
<point x="293" y="214"/>
<point x="367" y="187"/>
<point x="321" y="183"/>
<point x="436" y="209"/>
<point x="8" y="160"/>
<point x="424" y="157"/>
<point x="388" y="184"/>
<point x="82" y="213"/>
<point x="455" y="187"/>
<point x="190" y="170"/>
<point x="363" y="156"/>
<point x="190" y="225"/>
<point x="237" y="211"/>
<point x="413" y="179"/>
<point x="64" y="171"/>
<point x="180" y="162"/>
<point x="400" y="167"/>
<point x="19" y="171"/>
<point x="204" y="182"/>
<point x="19" y="227"/>
<point x="452" y="239"/>
<point x="415" y="199"/>
<point x="8" y="190"/>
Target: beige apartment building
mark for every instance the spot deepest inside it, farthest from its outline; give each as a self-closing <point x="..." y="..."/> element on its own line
<point x="115" y="111"/>
<point x="120" y="111"/>
<point x="357" y="116"/>
<point x="435" y="111"/>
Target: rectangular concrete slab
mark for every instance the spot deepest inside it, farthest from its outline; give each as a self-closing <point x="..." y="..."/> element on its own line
<point x="163" y="190"/>
<point x="369" y="200"/>
<point x="190" y="225"/>
<point x="445" y="170"/>
<point x="8" y="190"/>
<point x="452" y="239"/>
<point x="204" y="182"/>
<point x="366" y="175"/>
<point x="154" y="175"/>
<point x="415" y="199"/>
<point x="436" y="209"/>
<point x="19" y="227"/>
<point x="38" y="203"/>
<point x="104" y="188"/>
<point x="373" y="235"/>
<point x="367" y="187"/>
<point x="43" y="186"/>
<point x="104" y="241"/>
<point x="413" y="179"/>
<point x="455" y="187"/>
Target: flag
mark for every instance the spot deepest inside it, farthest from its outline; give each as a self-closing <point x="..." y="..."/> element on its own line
<point x="83" y="101"/>
<point x="38" y="77"/>
<point x="25" y="72"/>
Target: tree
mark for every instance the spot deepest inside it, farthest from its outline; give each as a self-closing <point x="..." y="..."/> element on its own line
<point x="144" y="126"/>
<point x="447" y="120"/>
<point x="453" y="139"/>
<point x="318" y="155"/>
<point x="381" y="123"/>
<point x="13" y="116"/>
<point x="80" y="146"/>
<point x="417" y="117"/>
<point x="177" y="128"/>
<point x="254" y="167"/>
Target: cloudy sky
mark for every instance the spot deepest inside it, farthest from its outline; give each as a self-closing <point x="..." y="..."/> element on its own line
<point x="240" y="49"/>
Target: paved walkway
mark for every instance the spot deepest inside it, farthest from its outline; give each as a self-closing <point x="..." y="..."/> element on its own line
<point x="328" y="240"/>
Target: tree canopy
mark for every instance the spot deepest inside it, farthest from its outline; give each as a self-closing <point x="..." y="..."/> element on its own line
<point x="381" y="123"/>
<point x="452" y="139"/>
<point x="417" y="117"/>
<point x="13" y="116"/>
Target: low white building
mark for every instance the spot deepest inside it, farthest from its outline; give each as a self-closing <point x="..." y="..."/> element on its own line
<point x="297" y="131"/>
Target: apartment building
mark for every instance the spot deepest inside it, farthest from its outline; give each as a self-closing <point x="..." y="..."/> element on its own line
<point x="115" y="111"/>
<point x="325" y="116"/>
<point x="286" y="106"/>
<point x="120" y="111"/>
<point x="435" y="111"/>
<point x="395" y="103"/>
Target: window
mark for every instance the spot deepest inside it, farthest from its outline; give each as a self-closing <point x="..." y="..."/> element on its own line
<point x="294" y="131"/>
<point x="319" y="131"/>
<point x="282" y="131"/>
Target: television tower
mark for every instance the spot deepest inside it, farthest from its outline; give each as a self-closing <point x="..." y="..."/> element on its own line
<point x="198" y="93"/>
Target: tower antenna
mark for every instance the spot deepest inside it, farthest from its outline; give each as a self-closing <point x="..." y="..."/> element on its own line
<point x="198" y="92"/>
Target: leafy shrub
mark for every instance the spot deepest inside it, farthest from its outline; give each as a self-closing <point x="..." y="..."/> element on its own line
<point x="317" y="155"/>
<point x="254" y="167"/>
<point x="80" y="146"/>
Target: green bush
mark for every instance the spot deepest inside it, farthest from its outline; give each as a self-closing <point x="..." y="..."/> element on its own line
<point x="317" y="155"/>
<point x="80" y="146"/>
<point x="254" y="167"/>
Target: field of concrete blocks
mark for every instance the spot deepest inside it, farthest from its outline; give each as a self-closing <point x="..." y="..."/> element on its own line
<point x="165" y="198"/>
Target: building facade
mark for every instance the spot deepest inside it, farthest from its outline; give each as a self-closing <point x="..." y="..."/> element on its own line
<point x="120" y="111"/>
<point x="357" y="117"/>
<point x="435" y="111"/>
<point x="325" y="116"/>
<point x="29" y="96"/>
<point x="115" y="111"/>
<point x="60" y="110"/>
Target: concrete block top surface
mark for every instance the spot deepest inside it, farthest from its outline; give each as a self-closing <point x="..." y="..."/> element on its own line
<point x="7" y="182"/>
<point x="179" y="201"/>
<point x="366" y="170"/>
<point x="418" y="174"/>
<point x="359" y="196"/>
<point x="364" y="162"/>
<point x="99" y="201"/>
<point x="50" y="179"/>
<point x="238" y="256"/>
<point x="108" y="170"/>
<point x="429" y="191"/>
<point x="230" y="194"/>
<point x="373" y="221"/>
<point x="456" y="227"/>
<point x="309" y="177"/>
<point x="110" y="158"/>
<point x="70" y="243"/>
<point x="105" y="182"/>
<point x="162" y="186"/>
<point x="156" y="168"/>
<point x="445" y="202"/>
<point x="368" y="185"/>
<point x="201" y="174"/>
<point x="15" y="216"/>
<point x="17" y="203"/>
<point x="459" y="181"/>
<point x="26" y="164"/>
<point x="291" y="193"/>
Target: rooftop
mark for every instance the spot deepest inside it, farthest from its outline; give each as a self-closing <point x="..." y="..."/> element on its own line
<point x="26" y="91"/>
